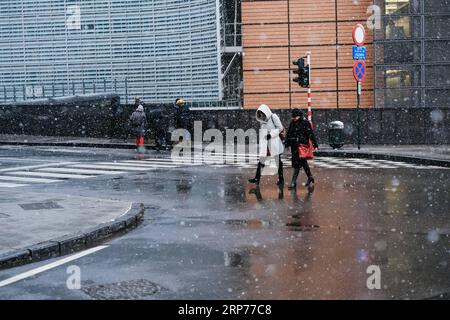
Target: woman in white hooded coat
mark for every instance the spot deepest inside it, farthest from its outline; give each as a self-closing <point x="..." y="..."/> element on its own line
<point x="270" y="144"/>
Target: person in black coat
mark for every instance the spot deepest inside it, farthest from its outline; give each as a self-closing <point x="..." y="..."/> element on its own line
<point x="138" y="125"/>
<point x="162" y="120"/>
<point x="184" y="117"/>
<point x="300" y="132"/>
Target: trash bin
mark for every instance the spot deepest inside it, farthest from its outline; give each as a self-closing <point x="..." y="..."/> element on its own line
<point x="336" y="134"/>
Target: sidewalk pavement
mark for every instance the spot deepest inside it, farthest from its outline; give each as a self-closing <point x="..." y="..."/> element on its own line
<point x="438" y="155"/>
<point x="10" y="139"/>
<point x="426" y="154"/>
<point x="421" y="151"/>
<point x="39" y="226"/>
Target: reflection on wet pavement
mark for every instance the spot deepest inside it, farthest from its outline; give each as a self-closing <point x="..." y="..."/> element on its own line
<point x="305" y="243"/>
<point x="216" y="236"/>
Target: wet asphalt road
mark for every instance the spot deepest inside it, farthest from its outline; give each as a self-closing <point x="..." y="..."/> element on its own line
<point x="209" y="235"/>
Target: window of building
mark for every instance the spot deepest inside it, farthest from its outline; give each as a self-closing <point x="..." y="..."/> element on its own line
<point x="436" y="6"/>
<point x="412" y="54"/>
<point x="399" y="6"/>
<point x="398" y="78"/>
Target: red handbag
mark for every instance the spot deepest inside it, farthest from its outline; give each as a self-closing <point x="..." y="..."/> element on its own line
<point x="306" y="151"/>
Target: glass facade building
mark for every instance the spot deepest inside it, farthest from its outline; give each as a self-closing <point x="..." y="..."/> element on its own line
<point x="412" y="54"/>
<point x="155" y="49"/>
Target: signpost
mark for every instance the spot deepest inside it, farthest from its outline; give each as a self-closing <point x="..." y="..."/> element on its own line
<point x="359" y="35"/>
<point x="359" y="53"/>
<point x="359" y="69"/>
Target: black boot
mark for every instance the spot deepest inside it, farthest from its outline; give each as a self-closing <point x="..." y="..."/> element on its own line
<point x="294" y="179"/>
<point x="308" y="174"/>
<point x="258" y="174"/>
<point x="310" y="181"/>
<point x="280" y="181"/>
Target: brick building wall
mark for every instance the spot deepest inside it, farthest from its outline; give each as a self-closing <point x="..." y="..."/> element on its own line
<point x="276" y="32"/>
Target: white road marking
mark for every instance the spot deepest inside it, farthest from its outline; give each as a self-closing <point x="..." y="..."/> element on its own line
<point x="175" y="163"/>
<point x="246" y="161"/>
<point x="80" y="171"/>
<point x="49" y="175"/>
<point x="398" y="164"/>
<point x="166" y="160"/>
<point x="171" y="161"/>
<point x="326" y="166"/>
<point x="328" y="159"/>
<point x="11" y="185"/>
<point x="383" y="167"/>
<point x="36" y="166"/>
<point x="407" y="165"/>
<point x="23" y="160"/>
<point x="211" y="160"/>
<point x="30" y="180"/>
<point x="231" y="154"/>
<point x="105" y="167"/>
<point x="231" y="160"/>
<point x="51" y="172"/>
<point x="64" y="150"/>
<point x="139" y="164"/>
<point x="49" y="266"/>
<point x="228" y="161"/>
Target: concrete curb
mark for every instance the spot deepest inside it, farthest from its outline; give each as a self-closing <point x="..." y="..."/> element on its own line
<point x="390" y="157"/>
<point x="75" y="242"/>
<point x="72" y="144"/>
<point x="124" y="146"/>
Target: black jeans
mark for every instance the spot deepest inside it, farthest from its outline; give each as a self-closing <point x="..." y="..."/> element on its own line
<point x="298" y="163"/>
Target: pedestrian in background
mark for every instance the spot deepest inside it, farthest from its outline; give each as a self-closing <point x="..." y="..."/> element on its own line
<point x="184" y="118"/>
<point x="161" y="121"/>
<point x="138" y="125"/>
<point x="137" y="102"/>
<point x="300" y="132"/>
<point x="272" y="145"/>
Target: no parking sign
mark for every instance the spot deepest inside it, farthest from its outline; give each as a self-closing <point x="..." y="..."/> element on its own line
<point x="359" y="53"/>
<point x="359" y="70"/>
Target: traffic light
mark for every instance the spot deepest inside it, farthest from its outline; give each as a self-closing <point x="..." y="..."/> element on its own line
<point x="303" y="73"/>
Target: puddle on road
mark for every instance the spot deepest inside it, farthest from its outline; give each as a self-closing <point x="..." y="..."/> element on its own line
<point x="288" y="241"/>
<point x="236" y="259"/>
<point x="298" y="226"/>
<point x="249" y="223"/>
<point x="40" y="206"/>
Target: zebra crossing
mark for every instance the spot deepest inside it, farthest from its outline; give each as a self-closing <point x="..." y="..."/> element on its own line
<point x="59" y="172"/>
<point x="246" y="161"/>
<point x="358" y="163"/>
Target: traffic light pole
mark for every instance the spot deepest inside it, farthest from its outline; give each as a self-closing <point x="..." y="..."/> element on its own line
<point x="304" y="78"/>
<point x="358" y="109"/>
<point x="308" y="59"/>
